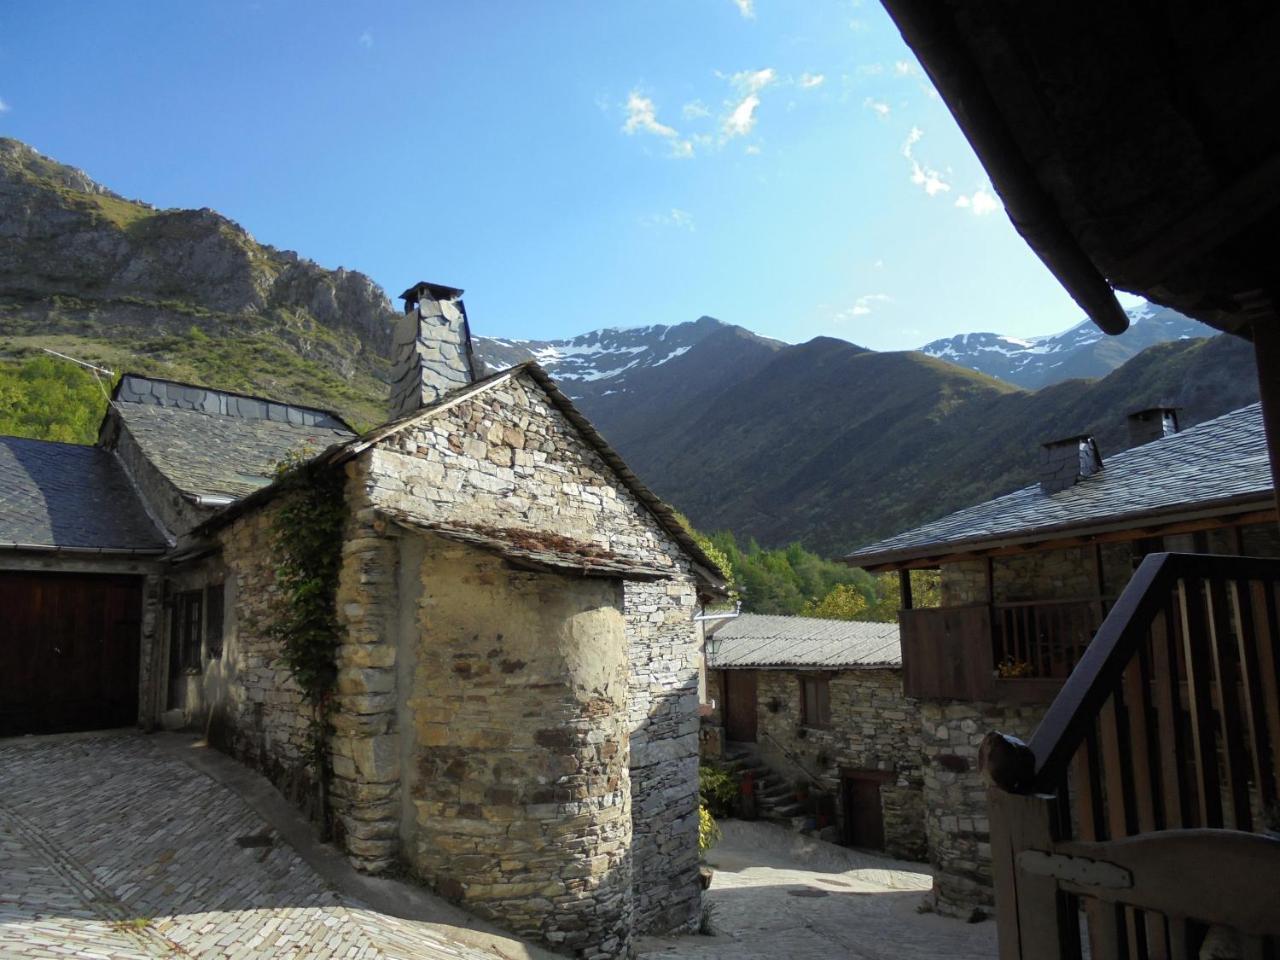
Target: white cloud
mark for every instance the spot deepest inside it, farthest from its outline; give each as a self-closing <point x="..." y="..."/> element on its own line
<point x="810" y="80"/>
<point x="695" y="110"/>
<point x="753" y="81"/>
<point x="862" y="307"/>
<point x="904" y="68"/>
<point x="366" y="40"/>
<point x="747" y="8"/>
<point x="741" y="119"/>
<point x="642" y="117"/>
<point x="4" y="107"/>
<point x="675" y="217"/>
<point x="752" y="151"/>
<point x="981" y="202"/>
<point x="880" y="108"/>
<point x="927" y="178"/>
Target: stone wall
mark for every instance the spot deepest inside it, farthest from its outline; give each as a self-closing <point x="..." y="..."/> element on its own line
<point x="873" y="727"/>
<point x="507" y="458"/>
<point x="665" y="653"/>
<point x="955" y="797"/>
<point x="366" y="750"/>
<point x="257" y="713"/>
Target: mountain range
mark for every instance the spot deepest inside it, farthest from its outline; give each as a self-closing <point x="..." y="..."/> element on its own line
<point x="824" y="442"/>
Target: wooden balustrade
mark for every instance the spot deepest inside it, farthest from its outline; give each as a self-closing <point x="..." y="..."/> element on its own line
<point x="1147" y="800"/>
<point x="1043" y="638"/>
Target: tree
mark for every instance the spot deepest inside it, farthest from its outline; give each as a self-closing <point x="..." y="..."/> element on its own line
<point x="843" y="602"/>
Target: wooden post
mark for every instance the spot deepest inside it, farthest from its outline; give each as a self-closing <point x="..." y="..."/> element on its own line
<point x="1266" y="352"/>
<point x="904" y="588"/>
<point x="1035" y="921"/>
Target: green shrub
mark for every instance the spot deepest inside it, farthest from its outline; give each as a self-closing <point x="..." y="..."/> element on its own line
<point x="717" y="790"/>
<point x="708" y="830"/>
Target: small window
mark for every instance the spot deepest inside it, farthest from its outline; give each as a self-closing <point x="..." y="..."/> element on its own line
<point x="815" y="702"/>
<point x="189" y="621"/>
<point x="213" y="622"/>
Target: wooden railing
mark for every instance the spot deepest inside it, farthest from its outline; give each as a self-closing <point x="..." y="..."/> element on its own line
<point x="1043" y="638"/>
<point x="1144" y="801"/>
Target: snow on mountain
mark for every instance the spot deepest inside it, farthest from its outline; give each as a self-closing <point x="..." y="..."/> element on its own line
<point x="1081" y="351"/>
<point x="600" y="361"/>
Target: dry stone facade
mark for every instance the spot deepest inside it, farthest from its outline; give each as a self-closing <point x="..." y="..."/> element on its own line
<point x="524" y="741"/>
<point x="955" y="797"/>
<point x="873" y="728"/>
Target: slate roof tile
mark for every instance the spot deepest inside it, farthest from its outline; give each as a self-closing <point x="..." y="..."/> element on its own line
<point x="222" y="454"/>
<point x="1224" y="459"/>
<point x="69" y="495"/>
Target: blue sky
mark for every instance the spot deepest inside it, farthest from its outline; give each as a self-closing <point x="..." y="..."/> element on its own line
<point x="781" y="165"/>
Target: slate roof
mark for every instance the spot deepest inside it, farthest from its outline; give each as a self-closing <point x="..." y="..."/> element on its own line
<point x="214" y="443"/>
<point x="348" y="447"/>
<point x="69" y="495"/>
<point x="1219" y="463"/>
<point x="757" y="640"/>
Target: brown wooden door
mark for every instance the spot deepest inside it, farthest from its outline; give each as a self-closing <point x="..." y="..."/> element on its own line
<point x="863" y="814"/>
<point x="740" y="706"/>
<point x="68" y="652"/>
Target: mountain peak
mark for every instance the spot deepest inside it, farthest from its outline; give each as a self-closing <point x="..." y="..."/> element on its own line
<point x="1080" y="351"/>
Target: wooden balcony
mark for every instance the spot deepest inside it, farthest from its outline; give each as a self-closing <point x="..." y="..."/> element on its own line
<point x="1141" y="822"/>
<point x="1017" y="652"/>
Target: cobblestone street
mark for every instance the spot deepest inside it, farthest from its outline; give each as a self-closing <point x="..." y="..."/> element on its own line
<point x="777" y="894"/>
<point x="112" y="847"/>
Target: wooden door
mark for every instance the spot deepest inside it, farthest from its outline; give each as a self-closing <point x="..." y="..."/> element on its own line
<point x="863" y="813"/>
<point x="740" y="706"/>
<point x="69" y="647"/>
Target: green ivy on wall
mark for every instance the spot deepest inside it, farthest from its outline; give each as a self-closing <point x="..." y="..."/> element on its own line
<point x="307" y="540"/>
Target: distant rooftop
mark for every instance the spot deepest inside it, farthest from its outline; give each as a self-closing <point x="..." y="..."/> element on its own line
<point x="760" y="640"/>
<point x="1219" y="464"/>
<point x="68" y="495"/>
<point x="217" y="443"/>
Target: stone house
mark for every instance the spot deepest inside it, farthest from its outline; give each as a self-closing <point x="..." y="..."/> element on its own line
<point x="1027" y="578"/>
<point x="514" y="718"/>
<point x="821" y="701"/>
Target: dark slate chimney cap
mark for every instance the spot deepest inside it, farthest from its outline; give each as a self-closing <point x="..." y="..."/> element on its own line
<point x="437" y="291"/>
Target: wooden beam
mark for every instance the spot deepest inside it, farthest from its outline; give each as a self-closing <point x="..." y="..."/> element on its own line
<point x="904" y="588"/>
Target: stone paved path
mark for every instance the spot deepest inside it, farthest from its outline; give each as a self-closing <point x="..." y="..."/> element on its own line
<point x="112" y="849"/>
<point x="779" y="895"/>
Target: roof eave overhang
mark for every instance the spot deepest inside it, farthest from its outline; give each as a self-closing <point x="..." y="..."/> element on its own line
<point x="1047" y="537"/>
<point x="928" y="29"/>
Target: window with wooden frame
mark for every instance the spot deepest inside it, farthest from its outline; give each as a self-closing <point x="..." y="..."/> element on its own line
<point x="815" y="701"/>
<point x="214" y="597"/>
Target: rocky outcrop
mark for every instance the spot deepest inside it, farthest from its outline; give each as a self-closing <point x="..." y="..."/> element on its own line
<point x="63" y="235"/>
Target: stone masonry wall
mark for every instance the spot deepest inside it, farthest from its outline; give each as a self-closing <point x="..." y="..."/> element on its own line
<point x="664" y="653"/>
<point x="260" y="718"/>
<point x="519" y="786"/>
<point x="955" y="797"/>
<point x="365" y="749"/>
<point x="873" y="727"/>
<point x="508" y="458"/>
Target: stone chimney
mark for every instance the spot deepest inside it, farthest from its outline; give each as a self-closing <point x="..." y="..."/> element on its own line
<point x="1154" y="423"/>
<point x="431" y="347"/>
<point x="1064" y="463"/>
